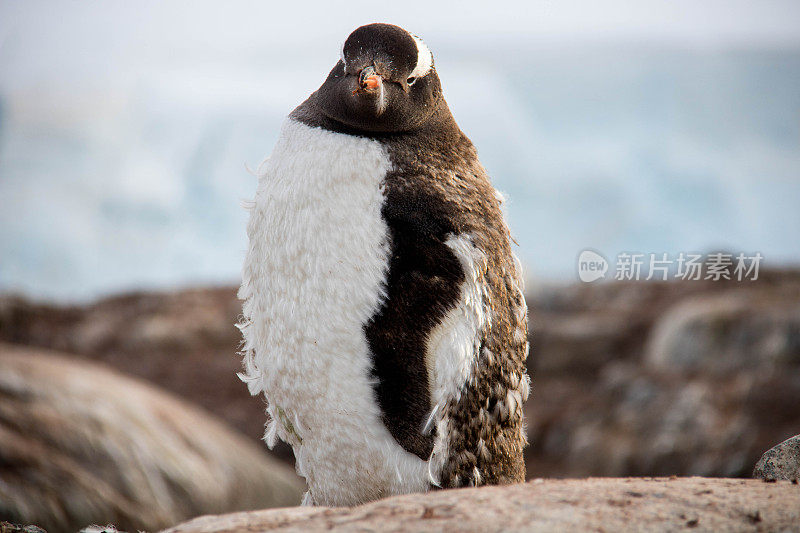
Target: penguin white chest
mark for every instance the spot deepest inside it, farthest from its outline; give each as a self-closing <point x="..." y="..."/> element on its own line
<point x="314" y="275"/>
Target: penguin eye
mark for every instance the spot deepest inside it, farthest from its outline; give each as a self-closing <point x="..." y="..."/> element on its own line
<point x="410" y="81"/>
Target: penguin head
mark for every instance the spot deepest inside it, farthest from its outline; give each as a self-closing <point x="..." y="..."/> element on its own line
<point x="385" y="81"/>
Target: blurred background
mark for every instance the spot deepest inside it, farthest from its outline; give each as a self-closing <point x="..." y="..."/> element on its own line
<point x="126" y="134"/>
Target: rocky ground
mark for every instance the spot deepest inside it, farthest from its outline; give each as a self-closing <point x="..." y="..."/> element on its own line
<point x="599" y="504"/>
<point x="638" y="378"/>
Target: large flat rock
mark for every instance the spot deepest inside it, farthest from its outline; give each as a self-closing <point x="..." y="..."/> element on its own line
<point x="596" y="504"/>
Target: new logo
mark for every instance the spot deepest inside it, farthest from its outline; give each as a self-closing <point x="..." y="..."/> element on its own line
<point x="591" y="266"/>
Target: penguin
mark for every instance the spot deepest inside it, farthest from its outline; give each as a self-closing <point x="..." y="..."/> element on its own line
<point x="383" y="318"/>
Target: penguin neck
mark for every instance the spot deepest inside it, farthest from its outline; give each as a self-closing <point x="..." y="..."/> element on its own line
<point x="440" y="124"/>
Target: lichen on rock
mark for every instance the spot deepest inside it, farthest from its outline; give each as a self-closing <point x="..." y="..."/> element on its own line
<point x="780" y="462"/>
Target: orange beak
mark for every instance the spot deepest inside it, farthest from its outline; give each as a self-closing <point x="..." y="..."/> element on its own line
<point x="368" y="79"/>
<point x="372" y="82"/>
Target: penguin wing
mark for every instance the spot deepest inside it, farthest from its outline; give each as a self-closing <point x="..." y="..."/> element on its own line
<point x="425" y="337"/>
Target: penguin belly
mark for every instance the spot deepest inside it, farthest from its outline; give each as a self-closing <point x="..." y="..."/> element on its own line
<point x="315" y="274"/>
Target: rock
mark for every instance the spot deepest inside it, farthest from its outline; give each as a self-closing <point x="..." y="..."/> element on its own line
<point x="7" y="527"/>
<point x="780" y="462"/>
<point x="181" y="341"/>
<point x="546" y="505"/>
<point x="100" y="529"/>
<point x="730" y="333"/>
<point x="580" y="343"/>
<point x="80" y="444"/>
<point x="659" y="426"/>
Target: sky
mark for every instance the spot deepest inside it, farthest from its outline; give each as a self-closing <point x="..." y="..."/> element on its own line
<point x="42" y="40"/>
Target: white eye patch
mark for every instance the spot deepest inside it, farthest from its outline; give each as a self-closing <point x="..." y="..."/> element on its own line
<point x="424" y="59"/>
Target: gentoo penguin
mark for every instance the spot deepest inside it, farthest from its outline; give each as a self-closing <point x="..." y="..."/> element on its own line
<point x="383" y="314"/>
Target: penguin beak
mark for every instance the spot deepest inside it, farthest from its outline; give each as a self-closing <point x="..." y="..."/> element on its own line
<point x="369" y="79"/>
<point x="370" y="85"/>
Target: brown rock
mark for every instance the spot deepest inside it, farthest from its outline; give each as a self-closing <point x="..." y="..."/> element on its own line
<point x="80" y="444"/>
<point x="546" y="505"/>
<point x="181" y="341"/>
<point x="780" y="462"/>
<point x="729" y="333"/>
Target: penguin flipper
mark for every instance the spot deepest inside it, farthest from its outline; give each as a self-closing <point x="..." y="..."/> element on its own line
<point x="422" y="284"/>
